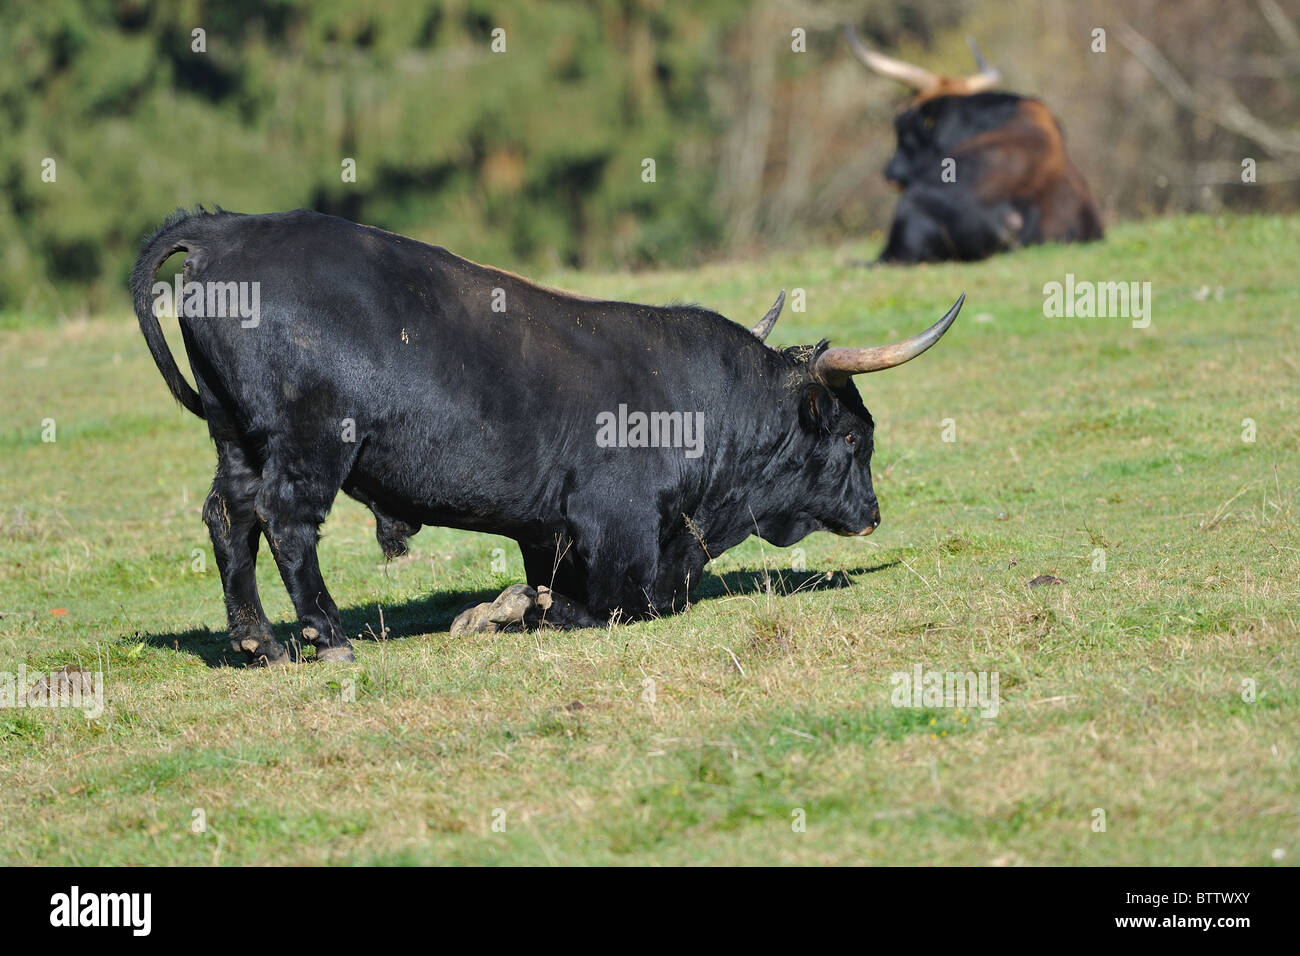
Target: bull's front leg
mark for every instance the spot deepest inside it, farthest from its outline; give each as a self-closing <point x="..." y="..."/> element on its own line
<point x="609" y="569"/>
<point x="521" y="607"/>
<point x="628" y="574"/>
<point x="555" y="595"/>
<point x="934" y="223"/>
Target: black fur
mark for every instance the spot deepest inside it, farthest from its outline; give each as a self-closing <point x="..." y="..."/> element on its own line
<point x="471" y="418"/>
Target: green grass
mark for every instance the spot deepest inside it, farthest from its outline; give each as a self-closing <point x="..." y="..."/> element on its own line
<point x="1120" y="690"/>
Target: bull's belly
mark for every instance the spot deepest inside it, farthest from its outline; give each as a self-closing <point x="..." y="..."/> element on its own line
<point x="446" y="502"/>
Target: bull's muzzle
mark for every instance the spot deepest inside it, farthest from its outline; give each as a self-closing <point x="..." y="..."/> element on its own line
<point x="875" y="522"/>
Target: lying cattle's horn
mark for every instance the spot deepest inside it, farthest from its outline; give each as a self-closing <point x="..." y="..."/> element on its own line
<point x="988" y="76"/>
<point x="913" y="76"/>
<point x="769" y="320"/>
<point x="834" y="366"/>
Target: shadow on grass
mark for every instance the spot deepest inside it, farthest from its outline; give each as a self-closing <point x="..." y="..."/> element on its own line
<point x="783" y="581"/>
<point x="435" y="612"/>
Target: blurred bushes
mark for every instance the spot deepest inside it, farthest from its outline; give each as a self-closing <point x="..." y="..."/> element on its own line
<point x="535" y="155"/>
<point x="531" y="154"/>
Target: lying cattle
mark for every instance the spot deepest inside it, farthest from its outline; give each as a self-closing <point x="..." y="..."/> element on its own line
<point x="442" y="392"/>
<point x="980" y="172"/>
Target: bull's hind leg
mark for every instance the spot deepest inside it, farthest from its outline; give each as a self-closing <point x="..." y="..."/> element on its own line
<point x="232" y="522"/>
<point x="295" y="495"/>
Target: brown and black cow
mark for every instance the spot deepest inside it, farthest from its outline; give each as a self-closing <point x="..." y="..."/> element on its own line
<point x="980" y="171"/>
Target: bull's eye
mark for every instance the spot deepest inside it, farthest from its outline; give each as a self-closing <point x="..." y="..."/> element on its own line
<point x="850" y="439"/>
<point x="929" y="122"/>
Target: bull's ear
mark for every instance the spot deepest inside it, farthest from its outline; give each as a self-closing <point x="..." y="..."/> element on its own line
<point x="816" y="408"/>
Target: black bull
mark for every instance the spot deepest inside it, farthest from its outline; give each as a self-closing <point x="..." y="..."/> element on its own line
<point x="441" y="392"/>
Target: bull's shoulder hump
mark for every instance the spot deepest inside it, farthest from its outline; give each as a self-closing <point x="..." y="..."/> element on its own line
<point x="1038" y="113"/>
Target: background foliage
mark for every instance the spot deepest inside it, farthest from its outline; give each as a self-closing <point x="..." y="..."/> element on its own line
<point x="533" y="157"/>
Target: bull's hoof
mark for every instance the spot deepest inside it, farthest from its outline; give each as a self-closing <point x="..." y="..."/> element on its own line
<point x="328" y="652"/>
<point x="261" y="651"/>
<point x="521" y="608"/>
<point x="473" y="620"/>
<point x="516" y="609"/>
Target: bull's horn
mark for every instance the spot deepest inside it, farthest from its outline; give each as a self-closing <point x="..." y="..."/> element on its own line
<point x="834" y="366"/>
<point x="913" y="76"/>
<point x="987" y="77"/>
<point x="769" y="320"/>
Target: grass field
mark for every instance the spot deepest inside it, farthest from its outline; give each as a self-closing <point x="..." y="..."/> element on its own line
<point x="1109" y="456"/>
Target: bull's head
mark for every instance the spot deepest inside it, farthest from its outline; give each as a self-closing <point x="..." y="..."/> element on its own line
<point x="932" y="120"/>
<point x="826" y="456"/>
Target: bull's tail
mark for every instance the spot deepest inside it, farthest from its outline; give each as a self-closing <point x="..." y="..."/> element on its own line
<point x="172" y="237"/>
